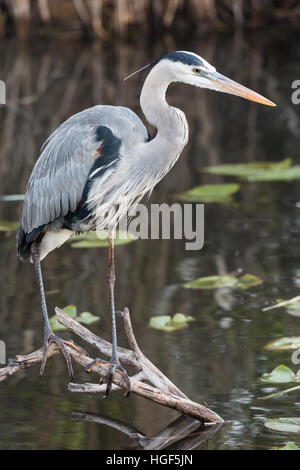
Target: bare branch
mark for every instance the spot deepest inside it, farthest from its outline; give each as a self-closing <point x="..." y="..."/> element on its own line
<point x="164" y="392"/>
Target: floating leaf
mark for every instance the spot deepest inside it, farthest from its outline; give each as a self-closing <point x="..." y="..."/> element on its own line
<point x="182" y="318"/>
<point x="288" y="446"/>
<point x="284" y="424"/>
<point x="70" y="310"/>
<point x="283" y="344"/>
<point x="85" y="318"/>
<point x="55" y="325"/>
<point x="248" y="280"/>
<point x="210" y="193"/>
<point x="12" y="197"/>
<point x="248" y="170"/>
<point x="92" y="240"/>
<point x="281" y="374"/>
<point x="214" y="282"/>
<point x="259" y="171"/>
<point x="167" y="323"/>
<point x="8" y="226"/>
<point x="284" y="174"/>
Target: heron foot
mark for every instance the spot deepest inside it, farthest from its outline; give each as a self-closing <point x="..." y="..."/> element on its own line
<point x="114" y="367"/>
<point x="49" y="338"/>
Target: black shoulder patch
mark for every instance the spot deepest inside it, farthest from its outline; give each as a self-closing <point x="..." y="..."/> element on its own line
<point x="107" y="153"/>
<point x="106" y="156"/>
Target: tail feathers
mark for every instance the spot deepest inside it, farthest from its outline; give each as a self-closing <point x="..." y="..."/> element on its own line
<point x="25" y="240"/>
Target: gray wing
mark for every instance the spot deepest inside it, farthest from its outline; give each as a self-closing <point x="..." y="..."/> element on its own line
<point x="59" y="176"/>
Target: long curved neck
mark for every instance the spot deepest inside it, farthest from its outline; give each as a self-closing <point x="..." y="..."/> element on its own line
<point x="170" y="122"/>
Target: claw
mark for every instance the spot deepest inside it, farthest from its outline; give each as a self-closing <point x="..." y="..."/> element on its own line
<point x="117" y="368"/>
<point x="51" y="338"/>
<point x="113" y="368"/>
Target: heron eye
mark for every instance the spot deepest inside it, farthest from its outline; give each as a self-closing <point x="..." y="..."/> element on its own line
<point x="196" y="70"/>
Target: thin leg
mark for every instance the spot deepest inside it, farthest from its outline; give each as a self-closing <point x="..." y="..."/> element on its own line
<point x="115" y="364"/>
<point x="49" y="336"/>
<point x="111" y="279"/>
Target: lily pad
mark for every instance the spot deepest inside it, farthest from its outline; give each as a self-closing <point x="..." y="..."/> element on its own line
<point x="284" y="174"/>
<point x="288" y="446"/>
<point x="70" y="310"/>
<point x="8" y="226"/>
<point x="85" y="318"/>
<point x="210" y="193"/>
<point x="248" y="280"/>
<point x="213" y="282"/>
<point x="12" y="197"/>
<point x="287" y="343"/>
<point x="281" y="374"/>
<point x="284" y="424"/>
<point x="168" y="323"/>
<point x="92" y="240"/>
<point x="250" y="170"/>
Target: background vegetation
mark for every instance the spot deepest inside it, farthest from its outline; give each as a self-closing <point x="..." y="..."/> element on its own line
<point x="104" y="18"/>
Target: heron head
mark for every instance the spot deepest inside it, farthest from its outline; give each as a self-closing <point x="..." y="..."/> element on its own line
<point x="190" y="68"/>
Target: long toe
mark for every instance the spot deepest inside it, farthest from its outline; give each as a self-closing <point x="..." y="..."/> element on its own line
<point x="117" y="368"/>
<point x="51" y="338"/>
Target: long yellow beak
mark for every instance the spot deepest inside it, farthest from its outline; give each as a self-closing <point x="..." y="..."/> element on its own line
<point x="222" y="83"/>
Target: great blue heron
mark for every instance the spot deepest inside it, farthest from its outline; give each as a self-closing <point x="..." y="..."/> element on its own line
<point x="103" y="158"/>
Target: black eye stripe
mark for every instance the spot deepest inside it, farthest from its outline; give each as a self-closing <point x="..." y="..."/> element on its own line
<point x="184" y="57"/>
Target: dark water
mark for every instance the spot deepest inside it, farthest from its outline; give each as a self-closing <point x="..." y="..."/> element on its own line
<point x="218" y="358"/>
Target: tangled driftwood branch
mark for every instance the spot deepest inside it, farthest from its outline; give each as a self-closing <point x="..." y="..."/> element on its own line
<point x="162" y="390"/>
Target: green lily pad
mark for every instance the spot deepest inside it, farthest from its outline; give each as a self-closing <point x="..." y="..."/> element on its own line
<point x="12" y="197"/>
<point x="210" y="193"/>
<point x="211" y="282"/>
<point x="259" y="171"/>
<point x="281" y="374"/>
<point x="168" y="323"/>
<point x="85" y="318"/>
<point x="70" y="310"/>
<point x="288" y="343"/>
<point x="284" y="424"/>
<point x="8" y="226"/>
<point x="248" y="280"/>
<point x="284" y="174"/>
<point x="91" y="240"/>
<point x="288" y="446"/>
<point x="214" y="282"/>
<point x="250" y="170"/>
<point x="182" y="318"/>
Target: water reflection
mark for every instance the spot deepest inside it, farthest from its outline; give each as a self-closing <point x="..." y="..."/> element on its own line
<point x="46" y="83"/>
<point x="183" y="433"/>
